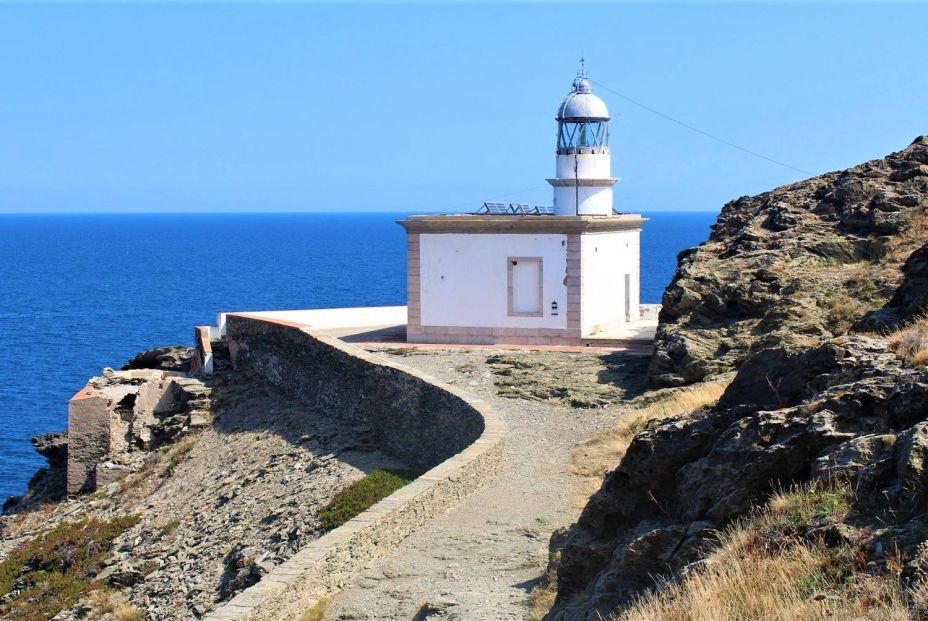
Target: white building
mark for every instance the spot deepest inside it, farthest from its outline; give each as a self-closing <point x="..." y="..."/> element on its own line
<point x="533" y="275"/>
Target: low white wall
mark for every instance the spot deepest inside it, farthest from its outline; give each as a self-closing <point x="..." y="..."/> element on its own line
<point x="464" y="279"/>
<point x="332" y="318"/>
<point x="649" y="311"/>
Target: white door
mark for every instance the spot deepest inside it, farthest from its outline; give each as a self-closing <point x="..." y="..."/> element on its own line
<point x="526" y="286"/>
<point x="628" y="297"/>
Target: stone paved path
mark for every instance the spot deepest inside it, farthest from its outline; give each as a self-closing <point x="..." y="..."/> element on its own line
<point x="480" y="560"/>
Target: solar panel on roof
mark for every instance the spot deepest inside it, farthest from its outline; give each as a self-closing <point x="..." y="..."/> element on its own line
<point x="514" y="209"/>
<point x="493" y="209"/>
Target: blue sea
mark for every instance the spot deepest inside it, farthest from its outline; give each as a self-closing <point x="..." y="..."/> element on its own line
<point x="82" y="292"/>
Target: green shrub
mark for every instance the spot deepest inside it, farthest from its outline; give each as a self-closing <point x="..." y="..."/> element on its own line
<point x="800" y="506"/>
<point x="361" y="495"/>
<point x="56" y="569"/>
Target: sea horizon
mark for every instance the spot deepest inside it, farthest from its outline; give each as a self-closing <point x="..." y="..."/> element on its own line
<point x="307" y="212"/>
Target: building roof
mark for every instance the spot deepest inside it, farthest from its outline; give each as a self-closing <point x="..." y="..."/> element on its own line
<point x="582" y="104"/>
<point x="512" y="223"/>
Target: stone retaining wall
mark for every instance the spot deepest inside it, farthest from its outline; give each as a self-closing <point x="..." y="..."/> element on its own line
<point x="424" y="422"/>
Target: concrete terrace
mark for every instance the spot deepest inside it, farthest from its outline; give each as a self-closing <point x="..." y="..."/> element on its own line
<point x="378" y="325"/>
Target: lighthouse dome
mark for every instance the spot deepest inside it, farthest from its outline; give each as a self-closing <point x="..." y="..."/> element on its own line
<point x="581" y="103"/>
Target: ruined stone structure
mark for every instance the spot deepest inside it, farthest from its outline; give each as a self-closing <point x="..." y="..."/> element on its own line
<point x="123" y="412"/>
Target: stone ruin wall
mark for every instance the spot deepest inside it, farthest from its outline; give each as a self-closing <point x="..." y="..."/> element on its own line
<point x="124" y="412"/>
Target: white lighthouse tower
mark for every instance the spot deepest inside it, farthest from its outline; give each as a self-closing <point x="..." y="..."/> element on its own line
<point x="583" y="186"/>
<point x="532" y="274"/>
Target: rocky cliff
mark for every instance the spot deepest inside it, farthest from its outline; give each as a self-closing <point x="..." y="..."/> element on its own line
<point x="813" y="293"/>
<point x="793" y="266"/>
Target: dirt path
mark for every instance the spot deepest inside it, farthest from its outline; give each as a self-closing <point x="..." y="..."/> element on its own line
<point x="480" y="560"/>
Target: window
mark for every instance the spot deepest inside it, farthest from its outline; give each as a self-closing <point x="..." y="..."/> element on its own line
<point x="525" y="286"/>
<point x="583" y="134"/>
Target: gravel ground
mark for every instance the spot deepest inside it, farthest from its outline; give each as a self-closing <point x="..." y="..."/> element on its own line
<point x="481" y="559"/>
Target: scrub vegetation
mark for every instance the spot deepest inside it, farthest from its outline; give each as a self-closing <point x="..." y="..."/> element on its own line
<point x="911" y="342"/>
<point x="55" y="570"/>
<point x="361" y="495"/>
<point x="773" y="565"/>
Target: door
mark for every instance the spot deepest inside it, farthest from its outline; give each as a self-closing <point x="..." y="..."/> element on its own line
<point x="628" y="297"/>
<point x="525" y="286"/>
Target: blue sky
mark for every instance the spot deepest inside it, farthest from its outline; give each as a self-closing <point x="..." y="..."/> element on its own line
<point x="362" y="107"/>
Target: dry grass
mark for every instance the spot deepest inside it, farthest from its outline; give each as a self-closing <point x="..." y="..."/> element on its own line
<point x="541" y="597"/>
<point x="318" y="612"/>
<point x="604" y="450"/>
<point x="178" y="452"/>
<point x="158" y="466"/>
<point x="751" y="576"/>
<point x="101" y="602"/>
<point x="911" y="342"/>
<point x="740" y="583"/>
<point x="921" y="358"/>
<point x="902" y="244"/>
<point x="799" y="506"/>
<point x="127" y="612"/>
<point x="108" y="605"/>
<point x="842" y="311"/>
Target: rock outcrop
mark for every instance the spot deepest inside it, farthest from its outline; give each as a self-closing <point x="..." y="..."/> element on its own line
<point x="795" y="265"/>
<point x="911" y="299"/>
<point x="864" y="419"/>
<point x="781" y="276"/>
<point x="48" y="484"/>
<point x="173" y="358"/>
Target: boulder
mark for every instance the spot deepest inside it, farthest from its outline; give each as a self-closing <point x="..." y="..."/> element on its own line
<point x="862" y="461"/>
<point x="912" y="464"/>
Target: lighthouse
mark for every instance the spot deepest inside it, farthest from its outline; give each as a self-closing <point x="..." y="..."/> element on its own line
<point x="561" y="274"/>
<point x="583" y="185"/>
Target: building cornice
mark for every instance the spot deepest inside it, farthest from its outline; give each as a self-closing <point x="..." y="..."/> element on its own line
<point x="521" y="224"/>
